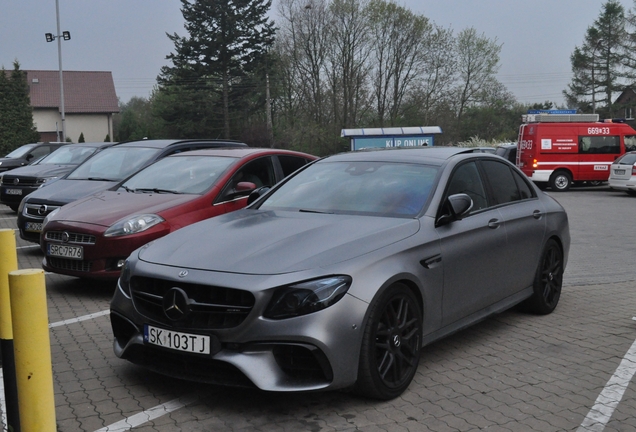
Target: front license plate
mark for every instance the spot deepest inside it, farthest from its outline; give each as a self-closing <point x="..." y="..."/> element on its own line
<point x="619" y="172"/>
<point x="187" y="342"/>
<point x="73" y="252"/>
<point x="33" y="226"/>
<point x="14" y="191"/>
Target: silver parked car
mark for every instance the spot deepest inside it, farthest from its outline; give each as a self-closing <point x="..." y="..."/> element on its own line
<point x="338" y="276"/>
<point x="623" y="173"/>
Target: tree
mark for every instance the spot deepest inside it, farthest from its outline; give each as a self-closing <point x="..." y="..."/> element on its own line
<point x="16" y="114"/>
<point x="136" y="120"/>
<point x="227" y="40"/>
<point x="599" y="64"/>
<point x="477" y="66"/>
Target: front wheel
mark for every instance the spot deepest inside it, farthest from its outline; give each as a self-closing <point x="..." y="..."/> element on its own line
<point x="548" y="281"/>
<point x="391" y="344"/>
<point x="560" y="181"/>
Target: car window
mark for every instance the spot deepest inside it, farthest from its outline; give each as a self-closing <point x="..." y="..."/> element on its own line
<point x="114" y="164"/>
<point x="626" y="159"/>
<point x="20" y="151"/>
<point x="525" y="190"/>
<point x="259" y="171"/>
<point x="369" y="188"/>
<point x="179" y="174"/>
<point x="630" y="142"/>
<point x="38" y="152"/>
<point x="466" y="179"/>
<point x="69" y="154"/>
<point x="501" y="181"/>
<point x="600" y="144"/>
<point x="289" y="164"/>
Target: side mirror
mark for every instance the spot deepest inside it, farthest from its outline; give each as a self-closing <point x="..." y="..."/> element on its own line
<point x="245" y="186"/>
<point x="257" y="194"/>
<point x="455" y="208"/>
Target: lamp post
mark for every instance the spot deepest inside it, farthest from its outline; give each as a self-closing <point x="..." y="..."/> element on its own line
<point x="50" y="38"/>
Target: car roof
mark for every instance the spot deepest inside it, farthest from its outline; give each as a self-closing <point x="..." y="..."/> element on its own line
<point x="93" y="144"/>
<point x="239" y="152"/>
<point x="429" y="155"/>
<point x="163" y="143"/>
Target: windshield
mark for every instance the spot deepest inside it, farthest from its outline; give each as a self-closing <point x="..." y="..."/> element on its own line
<point x="68" y="155"/>
<point x="179" y="174"/>
<point x="113" y="164"/>
<point x="373" y="188"/>
<point x="20" y="151"/>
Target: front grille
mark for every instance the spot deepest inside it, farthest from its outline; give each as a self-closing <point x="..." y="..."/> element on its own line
<point x="72" y="237"/>
<point x="38" y="211"/>
<point x="9" y="180"/>
<point x="69" y="264"/>
<point x="212" y="308"/>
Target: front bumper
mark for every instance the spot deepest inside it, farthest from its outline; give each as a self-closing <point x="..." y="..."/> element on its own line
<point x="317" y="351"/>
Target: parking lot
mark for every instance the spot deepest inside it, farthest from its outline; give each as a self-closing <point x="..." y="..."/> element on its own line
<point x="567" y="371"/>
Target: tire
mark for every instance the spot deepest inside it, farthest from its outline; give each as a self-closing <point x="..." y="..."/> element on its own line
<point x="631" y="192"/>
<point x="391" y="345"/>
<point x="560" y="181"/>
<point x="595" y="183"/>
<point x="548" y="281"/>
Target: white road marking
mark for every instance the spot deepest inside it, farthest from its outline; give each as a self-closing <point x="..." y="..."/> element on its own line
<point x="151" y="414"/>
<point x="26" y="247"/>
<point x="78" y="319"/>
<point x="611" y="395"/>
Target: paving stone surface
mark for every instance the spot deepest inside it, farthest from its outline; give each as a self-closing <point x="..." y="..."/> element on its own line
<point x="511" y="372"/>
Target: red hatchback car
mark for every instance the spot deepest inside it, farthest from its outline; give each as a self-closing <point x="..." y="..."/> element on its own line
<point x="92" y="237"/>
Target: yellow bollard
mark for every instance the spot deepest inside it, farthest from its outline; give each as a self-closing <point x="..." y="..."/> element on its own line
<point x="8" y="263"/>
<point x="32" y="346"/>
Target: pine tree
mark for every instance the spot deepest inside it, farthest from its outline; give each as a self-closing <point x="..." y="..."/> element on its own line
<point x="16" y="114"/>
<point x="227" y="41"/>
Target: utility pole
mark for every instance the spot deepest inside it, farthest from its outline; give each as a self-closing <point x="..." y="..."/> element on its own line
<point x="50" y="38"/>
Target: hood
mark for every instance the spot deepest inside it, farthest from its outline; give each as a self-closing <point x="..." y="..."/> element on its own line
<point x="11" y="162"/>
<point x="107" y="207"/>
<point x="64" y="191"/>
<point x="46" y="170"/>
<point x="266" y="242"/>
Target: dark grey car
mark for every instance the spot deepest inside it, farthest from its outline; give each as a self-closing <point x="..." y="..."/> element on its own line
<point x="341" y="274"/>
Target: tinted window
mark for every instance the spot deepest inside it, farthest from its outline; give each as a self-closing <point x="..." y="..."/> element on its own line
<point x="466" y="179"/>
<point x="38" y="152"/>
<point x="260" y="172"/>
<point x="525" y="191"/>
<point x="501" y="181"/>
<point x="600" y="145"/>
<point x="289" y="164"/>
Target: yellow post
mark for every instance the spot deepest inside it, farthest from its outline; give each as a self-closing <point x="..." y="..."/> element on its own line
<point x="32" y="346"/>
<point x="8" y="263"/>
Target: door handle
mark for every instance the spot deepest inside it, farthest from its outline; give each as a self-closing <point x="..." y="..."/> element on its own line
<point x="537" y="214"/>
<point x="494" y="223"/>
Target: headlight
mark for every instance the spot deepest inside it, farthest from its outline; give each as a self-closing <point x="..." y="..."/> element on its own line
<point x="49" y="216"/>
<point x="307" y="297"/>
<point x="43" y="181"/>
<point x="124" y="279"/>
<point x="133" y="225"/>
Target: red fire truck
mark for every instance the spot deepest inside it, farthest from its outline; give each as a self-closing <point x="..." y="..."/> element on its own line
<point x="558" y="149"/>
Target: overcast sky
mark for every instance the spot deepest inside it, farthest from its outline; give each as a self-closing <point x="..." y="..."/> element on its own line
<point x="128" y="37"/>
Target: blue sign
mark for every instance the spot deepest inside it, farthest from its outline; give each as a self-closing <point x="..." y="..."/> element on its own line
<point x="359" y="143"/>
<point x="555" y="111"/>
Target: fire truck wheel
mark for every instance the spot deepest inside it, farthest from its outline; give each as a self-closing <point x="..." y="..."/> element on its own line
<point x="560" y="181"/>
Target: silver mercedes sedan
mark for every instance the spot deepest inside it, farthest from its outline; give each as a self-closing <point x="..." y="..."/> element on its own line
<point x="338" y="276"/>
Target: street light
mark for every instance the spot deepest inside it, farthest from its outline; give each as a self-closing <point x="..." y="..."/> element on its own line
<point x="50" y="38"/>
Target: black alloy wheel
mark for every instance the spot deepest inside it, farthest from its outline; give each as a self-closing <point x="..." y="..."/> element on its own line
<point x="548" y="281"/>
<point x="391" y="345"/>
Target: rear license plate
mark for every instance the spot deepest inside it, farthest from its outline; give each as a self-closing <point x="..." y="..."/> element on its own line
<point x="14" y="191"/>
<point x="619" y="172"/>
<point x="198" y="344"/>
<point x="72" y="252"/>
<point x="33" y="226"/>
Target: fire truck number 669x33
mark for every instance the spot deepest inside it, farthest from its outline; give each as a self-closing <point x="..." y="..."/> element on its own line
<point x="598" y="131"/>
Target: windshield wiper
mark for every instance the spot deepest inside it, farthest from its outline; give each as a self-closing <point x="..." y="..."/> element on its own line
<point x="314" y="211"/>
<point x="100" y="179"/>
<point x="127" y="189"/>
<point x="156" y="190"/>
